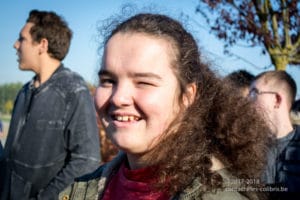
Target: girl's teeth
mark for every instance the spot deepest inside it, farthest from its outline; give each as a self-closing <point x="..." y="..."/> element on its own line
<point x="119" y="118"/>
<point x="126" y="118"/>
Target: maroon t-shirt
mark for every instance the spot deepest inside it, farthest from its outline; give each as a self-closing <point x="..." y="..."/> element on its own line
<point x="134" y="184"/>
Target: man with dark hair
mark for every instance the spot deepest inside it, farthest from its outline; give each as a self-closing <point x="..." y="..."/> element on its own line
<point x="273" y="93"/>
<point x="240" y="80"/>
<point x="53" y="134"/>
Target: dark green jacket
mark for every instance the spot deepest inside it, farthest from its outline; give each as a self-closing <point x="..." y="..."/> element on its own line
<point x="91" y="186"/>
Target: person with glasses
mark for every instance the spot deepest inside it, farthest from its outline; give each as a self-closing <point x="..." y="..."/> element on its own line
<point x="273" y="94"/>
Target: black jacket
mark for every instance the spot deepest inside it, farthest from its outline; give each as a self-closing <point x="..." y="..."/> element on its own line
<point x="53" y="138"/>
<point x="288" y="165"/>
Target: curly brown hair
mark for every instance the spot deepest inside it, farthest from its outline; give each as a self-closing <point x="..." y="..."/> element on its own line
<point x="52" y="27"/>
<point x="218" y="122"/>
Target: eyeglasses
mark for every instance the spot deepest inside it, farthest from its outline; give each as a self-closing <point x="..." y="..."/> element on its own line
<point x="254" y="92"/>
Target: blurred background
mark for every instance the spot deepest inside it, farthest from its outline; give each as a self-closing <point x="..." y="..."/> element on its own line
<point x="85" y="18"/>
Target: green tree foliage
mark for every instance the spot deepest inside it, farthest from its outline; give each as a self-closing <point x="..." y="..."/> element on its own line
<point x="8" y="93"/>
<point x="272" y="24"/>
<point x="8" y="106"/>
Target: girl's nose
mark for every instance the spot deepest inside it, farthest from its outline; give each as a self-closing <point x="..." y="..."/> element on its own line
<point x="122" y="95"/>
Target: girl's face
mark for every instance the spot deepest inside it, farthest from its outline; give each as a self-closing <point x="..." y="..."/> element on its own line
<point x="138" y="94"/>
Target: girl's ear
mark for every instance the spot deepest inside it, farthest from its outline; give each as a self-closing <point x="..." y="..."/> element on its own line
<point x="190" y="94"/>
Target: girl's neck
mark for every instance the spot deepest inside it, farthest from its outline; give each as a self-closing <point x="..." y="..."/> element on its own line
<point x="136" y="161"/>
<point x="216" y="164"/>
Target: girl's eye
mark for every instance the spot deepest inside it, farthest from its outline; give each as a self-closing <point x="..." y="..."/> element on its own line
<point x="146" y="84"/>
<point x="106" y="82"/>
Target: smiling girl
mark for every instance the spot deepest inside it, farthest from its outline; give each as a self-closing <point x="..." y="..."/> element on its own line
<point x="180" y="132"/>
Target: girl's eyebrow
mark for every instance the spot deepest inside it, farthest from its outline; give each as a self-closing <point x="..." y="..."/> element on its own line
<point x="147" y="75"/>
<point x="104" y="72"/>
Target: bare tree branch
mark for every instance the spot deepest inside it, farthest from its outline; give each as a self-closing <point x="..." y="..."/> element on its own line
<point x="271" y="23"/>
<point x="270" y="11"/>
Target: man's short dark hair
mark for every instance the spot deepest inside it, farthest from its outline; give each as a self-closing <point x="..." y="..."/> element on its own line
<point x="52" y="27"/>
<point x="240" y="78"/>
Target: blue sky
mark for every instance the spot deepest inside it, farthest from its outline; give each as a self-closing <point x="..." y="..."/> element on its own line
<point x="83" y="17"/>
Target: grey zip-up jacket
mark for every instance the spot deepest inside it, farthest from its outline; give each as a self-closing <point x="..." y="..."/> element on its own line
<point x="92" y="186"/>
<point x="53" y="138"/>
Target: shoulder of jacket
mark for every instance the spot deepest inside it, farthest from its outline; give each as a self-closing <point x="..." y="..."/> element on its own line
<point x="94" y="175"/>
<point x="297" y="131"/>
<point x="196" y="190"/>
<point x="81" y="191"/>
<point x="295" y="140"/>
<point x="68" y="81"/>
<point x="84" y="187"/>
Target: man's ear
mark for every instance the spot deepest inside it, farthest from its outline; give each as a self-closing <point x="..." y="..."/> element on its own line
<point x="278" y="100"/>
<point x="43" y="46"/>
<point x="190" y="94"/>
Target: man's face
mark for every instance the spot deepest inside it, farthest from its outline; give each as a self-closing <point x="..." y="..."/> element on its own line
<point x="264" y="97"/>
<point x="27" y="49"/>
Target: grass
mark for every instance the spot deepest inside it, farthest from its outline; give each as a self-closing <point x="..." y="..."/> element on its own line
<point x="5" y="117"/>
